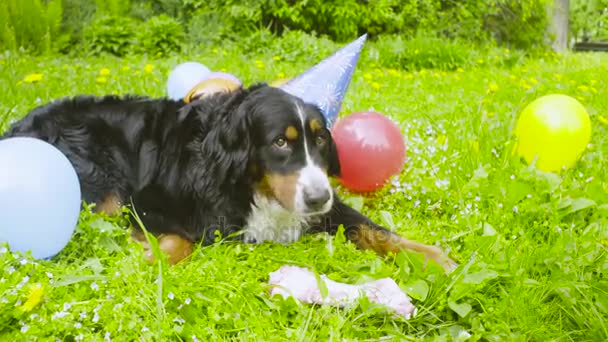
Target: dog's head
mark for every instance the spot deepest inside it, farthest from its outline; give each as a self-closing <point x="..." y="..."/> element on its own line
<point x="294" y="153"/>
<point x="273" y="139"/>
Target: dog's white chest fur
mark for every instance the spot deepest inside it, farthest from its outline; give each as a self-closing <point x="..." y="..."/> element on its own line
<point x="269" y="221"/>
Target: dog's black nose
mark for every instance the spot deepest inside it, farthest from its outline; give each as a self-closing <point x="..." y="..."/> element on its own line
<point x="316" y="199"/>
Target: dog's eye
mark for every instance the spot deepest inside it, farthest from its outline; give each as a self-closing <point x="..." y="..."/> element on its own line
<point x="280" y="142"/>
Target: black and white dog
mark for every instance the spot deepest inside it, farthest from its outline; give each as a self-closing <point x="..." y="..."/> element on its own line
<point x="253" y="163"/>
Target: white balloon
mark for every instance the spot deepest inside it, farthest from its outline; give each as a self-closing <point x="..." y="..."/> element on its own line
<point x="184" y="77"/>
<point x="39" y="197"/>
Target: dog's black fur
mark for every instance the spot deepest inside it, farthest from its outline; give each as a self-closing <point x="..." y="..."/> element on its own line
<point x="190" y="169"/>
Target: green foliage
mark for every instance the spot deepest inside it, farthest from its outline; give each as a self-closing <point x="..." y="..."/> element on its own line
<point x="589" y="19"/>
<point x="160" y="36"/>
<point x="76" y="15"/>
<point x="29" y="24"/>
<point x="111" y="34"/>
<point x="115" y="8"/>
<point x="423" y="52"/>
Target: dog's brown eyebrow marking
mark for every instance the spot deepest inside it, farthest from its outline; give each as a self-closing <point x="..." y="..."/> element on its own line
<point x="291" y="133"/>
<point x="315" y="125"/>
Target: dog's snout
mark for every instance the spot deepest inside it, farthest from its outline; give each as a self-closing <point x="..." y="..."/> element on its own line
<point x="317" y="198"/>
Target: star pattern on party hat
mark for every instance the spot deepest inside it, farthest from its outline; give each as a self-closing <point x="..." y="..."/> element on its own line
<point x="325" y="84"/>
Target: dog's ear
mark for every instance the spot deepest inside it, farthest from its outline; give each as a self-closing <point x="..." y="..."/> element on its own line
<point x="333" y="168"/>
<point x="221" y="148"/>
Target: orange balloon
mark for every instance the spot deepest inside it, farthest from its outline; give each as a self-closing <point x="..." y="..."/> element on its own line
<point x="210" y="86"/>
<point x="279" y="82"/>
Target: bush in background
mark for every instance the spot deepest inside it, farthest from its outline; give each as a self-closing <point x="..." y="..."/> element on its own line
<point x="111" y="34"/>
<point x="29" y="24"/>
<point x="160" y="35"/>
<point x="412" y="34"/>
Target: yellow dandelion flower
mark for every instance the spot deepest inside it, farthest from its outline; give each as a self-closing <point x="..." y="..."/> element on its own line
<point x="480" y="61"/>
<point x="524" y="85"/>
<point x="215" y="51"/>
<point x="223" y="70"/>
<point x="593" y="90"/>
<point x="376" y="85"/>
<point x="33" y="78"/>
<point x="474" y="145"/>
<point x="34" y="297"/>
<point x="583" y="88"/>
<point x="423" y="72"/>
<point x="602" y="119"/>
<point x="460" y="70"/>
<point x="126" y="68"/>
<point x="276" y="58"/>
<point x="593" y="82"/>
<point x="104" y="72"/>
<point x="393" y="72"/>
<point x="367" y="76"/>
<point x="101" y="79"/>
<point x="281" y="75"/>
<point x="441" y="139"/>
<point x="533" y="81"/>
<point x="148" y="68"/>
<point x="493" y="87"/>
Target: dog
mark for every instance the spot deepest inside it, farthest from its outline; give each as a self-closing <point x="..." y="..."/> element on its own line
<point x="253" y="164"/>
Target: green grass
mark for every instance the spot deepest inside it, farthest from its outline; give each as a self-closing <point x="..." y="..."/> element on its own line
<point x="531" y="246"/>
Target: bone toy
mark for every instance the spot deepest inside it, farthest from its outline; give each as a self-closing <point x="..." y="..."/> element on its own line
<point x="300" y="283"/>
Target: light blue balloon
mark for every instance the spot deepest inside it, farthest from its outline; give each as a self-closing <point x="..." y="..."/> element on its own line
<point x="39" y="197"/>
<point x="184" y="77"/>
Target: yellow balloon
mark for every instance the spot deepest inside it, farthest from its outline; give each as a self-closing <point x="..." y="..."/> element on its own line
<point x="555" y="129"/>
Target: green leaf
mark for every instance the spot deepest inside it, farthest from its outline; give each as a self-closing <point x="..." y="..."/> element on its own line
<point x="479" y="277"/>
<point x="322" y="286"/>
<point x="516" y="191"/>
<point x="488" y="230"/>
<point x="462" y="309"/>
<point x="355" y="202"/>
<point x="387" y="219"/>
<point x="417" y="289"/>
<point x="580" y="204"/>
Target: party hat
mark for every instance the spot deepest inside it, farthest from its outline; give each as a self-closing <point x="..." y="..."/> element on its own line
<point x="325" y="84"/>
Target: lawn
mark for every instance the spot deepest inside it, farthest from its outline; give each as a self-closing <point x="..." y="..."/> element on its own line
<point x="531" y="245"/>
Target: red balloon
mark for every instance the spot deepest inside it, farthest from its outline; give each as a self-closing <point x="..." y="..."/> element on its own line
<point x="371" y="149"/>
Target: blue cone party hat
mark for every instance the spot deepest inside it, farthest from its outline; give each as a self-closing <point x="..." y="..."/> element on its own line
<point x="325" y="84"/>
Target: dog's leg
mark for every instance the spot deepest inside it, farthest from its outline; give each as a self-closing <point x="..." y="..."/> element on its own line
<point x="174" y="246"/>
<point x="366" y="234"/>
<point x="111" y="204"/>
